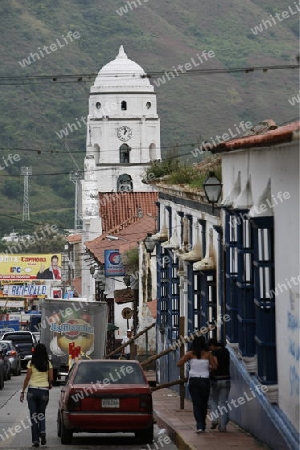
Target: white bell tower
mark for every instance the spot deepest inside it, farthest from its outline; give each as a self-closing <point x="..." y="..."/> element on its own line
<point x="123" y="128"/>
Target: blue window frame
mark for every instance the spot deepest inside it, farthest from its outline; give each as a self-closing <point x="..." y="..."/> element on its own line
<point x="169" y="297"/>
<point x="202" y="300"/>
<point x="245" y="284"/>
<point x="231" y="273"/>
<point x="264" y="283"/>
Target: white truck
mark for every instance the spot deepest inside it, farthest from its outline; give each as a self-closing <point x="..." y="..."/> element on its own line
<point x="72" y="321"/>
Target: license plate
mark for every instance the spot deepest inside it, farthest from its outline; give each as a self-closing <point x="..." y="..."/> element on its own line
<point x="110" y="403"/>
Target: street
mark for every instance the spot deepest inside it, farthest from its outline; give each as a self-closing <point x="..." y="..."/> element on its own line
<point x="15" y="429"/>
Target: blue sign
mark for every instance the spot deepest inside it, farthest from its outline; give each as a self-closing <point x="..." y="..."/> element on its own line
<point x="113" y="266"/>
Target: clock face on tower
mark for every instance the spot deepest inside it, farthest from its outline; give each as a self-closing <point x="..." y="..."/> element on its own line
<point x="124" y="133"/>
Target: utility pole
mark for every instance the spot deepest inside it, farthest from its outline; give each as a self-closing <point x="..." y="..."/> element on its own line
<point x="26" y="171"/>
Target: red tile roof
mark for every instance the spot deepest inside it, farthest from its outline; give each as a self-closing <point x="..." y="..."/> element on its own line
<point x="74" y="238"/>
<point x="132" y="233"/>
<point x="267" y="138"/>
<point x="118" y="207"/>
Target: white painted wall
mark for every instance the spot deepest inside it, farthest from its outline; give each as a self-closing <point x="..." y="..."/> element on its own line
<point x="210" y="222"/>
<point x="281" y="164"/>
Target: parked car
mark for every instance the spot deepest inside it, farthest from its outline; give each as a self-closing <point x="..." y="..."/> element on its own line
<point x="24" y="341"/>
<point x="2" y="372"/>
<point x="5" y="330"/>
<point x="13" y="356"/>
<point x="7" y="366"/>
<point x="105" y="396"/>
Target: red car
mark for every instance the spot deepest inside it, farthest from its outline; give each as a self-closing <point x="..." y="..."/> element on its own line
<point x="106" y="396"/>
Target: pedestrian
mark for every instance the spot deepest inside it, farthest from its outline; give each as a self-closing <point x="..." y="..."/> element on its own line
<point x="201" y="362"/>
<point x="39" y="379"/>
<point x="220" y="385"/>
<point x="126" y="350"/>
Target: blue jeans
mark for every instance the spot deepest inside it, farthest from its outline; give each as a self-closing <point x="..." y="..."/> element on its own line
<point x="199" y="390"/>
<point x="218" y="402"/>
<point x="37" y="402"/>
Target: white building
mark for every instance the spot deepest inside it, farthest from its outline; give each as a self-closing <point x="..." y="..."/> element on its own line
<point x="123" y="128"/>
<point x="123" y="137"/>
<point x="242" y="275"/>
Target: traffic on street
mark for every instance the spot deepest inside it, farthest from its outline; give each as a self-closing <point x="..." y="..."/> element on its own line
<point x="15" y="426"/>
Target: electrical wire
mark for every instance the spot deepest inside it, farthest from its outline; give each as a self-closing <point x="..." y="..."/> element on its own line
<point x="87" y="77"/>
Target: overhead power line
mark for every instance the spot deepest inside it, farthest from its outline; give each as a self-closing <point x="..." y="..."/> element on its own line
<point x="88" y="77"/>
<point x="174" y="147"/>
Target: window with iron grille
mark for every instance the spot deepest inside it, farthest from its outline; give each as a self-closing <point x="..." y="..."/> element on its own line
<point x="231" y="272"/>
<point x="245" y="284"/>
<point x="264" y="283"/>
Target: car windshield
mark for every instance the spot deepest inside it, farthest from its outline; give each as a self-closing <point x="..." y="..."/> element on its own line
<point x="21" y="338"/>
<point x="106" y="373"/>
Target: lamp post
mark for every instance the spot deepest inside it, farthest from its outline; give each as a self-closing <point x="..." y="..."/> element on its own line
<point x="149" y="244"/>
<point x="212" y="188"/>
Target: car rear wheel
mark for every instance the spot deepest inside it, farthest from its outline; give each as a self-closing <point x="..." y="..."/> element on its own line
<point x="16" y="372"/>
<point x="145" y="436"/>
<point x="58" y="425"/>
<point x="66" y="435"/>
<point x="1" y="380"/>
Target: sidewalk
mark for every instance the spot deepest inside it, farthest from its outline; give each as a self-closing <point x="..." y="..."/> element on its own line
<point x="180" y="427"/>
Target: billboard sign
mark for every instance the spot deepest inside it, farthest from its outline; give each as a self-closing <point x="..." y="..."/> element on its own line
<point x="113" y="266"/>
<point x="30" y="267"/>
<point x="23" y="290"/>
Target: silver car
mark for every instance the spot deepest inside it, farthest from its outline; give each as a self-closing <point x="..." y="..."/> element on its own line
<point x="13" y="356"/>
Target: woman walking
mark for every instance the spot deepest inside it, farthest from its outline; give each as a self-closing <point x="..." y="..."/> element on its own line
<point x="201" y="362"/>
<point x="39" y="379"/>
<point x="220" y="385"/>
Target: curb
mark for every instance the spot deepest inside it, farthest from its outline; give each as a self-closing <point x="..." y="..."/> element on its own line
<point x="176" y="437"/>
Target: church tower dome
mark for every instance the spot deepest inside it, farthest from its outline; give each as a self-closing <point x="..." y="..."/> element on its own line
<point x="122" y="74"/>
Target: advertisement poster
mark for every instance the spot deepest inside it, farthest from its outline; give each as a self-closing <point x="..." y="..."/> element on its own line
<point x="31" y="290"/>
<point x="113" y="266"/>
<point x="30" y="267"/>
<point x="74" y="324"/>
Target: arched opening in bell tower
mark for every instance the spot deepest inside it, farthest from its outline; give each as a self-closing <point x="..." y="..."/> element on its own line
<point x="124" y="183"/>
<point x="125" y="154"/>
<point x="123" y="106"/>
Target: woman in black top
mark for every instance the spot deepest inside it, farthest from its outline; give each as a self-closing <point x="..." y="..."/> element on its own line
<point x="220" y="386"/>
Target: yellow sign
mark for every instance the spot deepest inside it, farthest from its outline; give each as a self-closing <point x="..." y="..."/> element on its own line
<point x="30" y="267"/>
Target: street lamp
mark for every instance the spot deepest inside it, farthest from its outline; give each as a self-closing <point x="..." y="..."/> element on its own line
<point x="212" y="188"/>
<point x="149" y="243"/>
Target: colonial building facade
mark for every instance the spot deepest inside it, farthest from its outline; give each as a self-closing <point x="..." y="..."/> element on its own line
<point x="233" y="272"/>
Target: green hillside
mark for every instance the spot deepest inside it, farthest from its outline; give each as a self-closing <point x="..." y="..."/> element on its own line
<point x="158" y="35"/>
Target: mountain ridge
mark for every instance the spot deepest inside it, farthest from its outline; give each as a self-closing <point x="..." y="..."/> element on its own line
<point x="159" y="36"/>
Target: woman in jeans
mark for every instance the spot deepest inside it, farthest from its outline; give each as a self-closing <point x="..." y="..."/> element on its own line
<point x="39" y="379"/>
<point x="201" y="362"/>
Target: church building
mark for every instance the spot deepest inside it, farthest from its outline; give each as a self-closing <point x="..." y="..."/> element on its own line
<point x="123" y="138"/>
